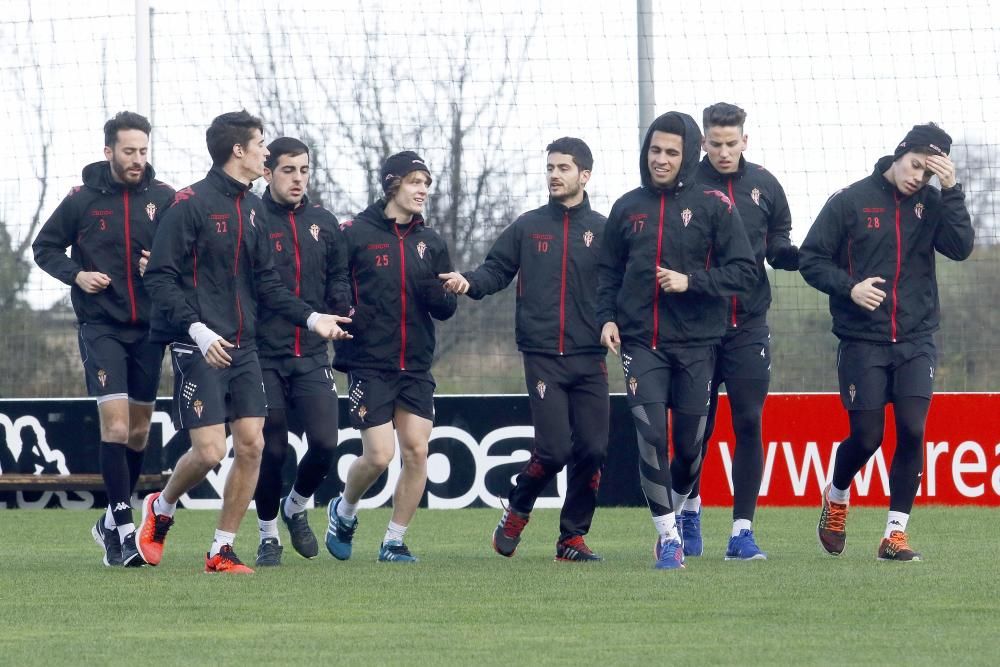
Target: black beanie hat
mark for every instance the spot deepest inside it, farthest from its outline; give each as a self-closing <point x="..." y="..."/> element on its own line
<point x="924" y="135"/>
<point x="399" y="165"/>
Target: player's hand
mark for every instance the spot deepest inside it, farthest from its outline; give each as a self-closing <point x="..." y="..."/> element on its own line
<point x="454" y="282"/>
<point x="942" y="167"/>
<point x="216" y="354"/>
<point x="671" y="281"/>
<point x="328" y="326"/>
<point x="610" y="338"/>
<point x="143" y="261"/>
<point x="866" y="295"/>
<point x="92" y="282"/>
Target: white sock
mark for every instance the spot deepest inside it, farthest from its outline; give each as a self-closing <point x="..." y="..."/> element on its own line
<point x="222" y="538"/>
<point x="839" y="496"/>
<point x="666" y="526"/>
<point x="896" y="521"/>
<point x="125" y="529"/>
<point x="161" y="506"/>
<point x="678" y="500"/>
<point x="394" y="532"/>
<point x="294" y="504"/>
<point x="268" y="529"/>
<point x="109" y="520"/>
<point x="692" y="504"/>
<point x="741" y="524"/>
<point x="346" y="510"/>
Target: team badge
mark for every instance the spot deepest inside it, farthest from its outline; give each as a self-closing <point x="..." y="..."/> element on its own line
<point x="755" y="196"/>
<point x="362" y="411"/>
<point x="314" y="230"/>
<point x="588" y="238"/>
<point x="919" y="210"/>
<point x="198" y="407"/>
<point x="633" y="385"/>
<point x="253" y="214"/>
<point x="540" y="388"/>
<point x="151" y="210"/>
<point x="852" y="392"/>
<point x="102" y="377"/>
<point x="421" y="249"/>
<point x="686" y="216"/>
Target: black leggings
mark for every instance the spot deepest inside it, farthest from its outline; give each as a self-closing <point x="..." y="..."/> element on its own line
<point x="321" y="433"/>
<point x="867" y="429"/>
<point x="746" y="403"/>
<point x="656" y="477"/>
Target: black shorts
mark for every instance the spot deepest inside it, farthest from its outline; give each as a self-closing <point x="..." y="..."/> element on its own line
<point x="289" y="378"/>
<point x="873" y="374"/>
<point x="205" y="396"/>
<point x="374" y="395"/>
<point x="744" y="354"/>
<point x="680" y="378"/>
<point x="120" y="362"/>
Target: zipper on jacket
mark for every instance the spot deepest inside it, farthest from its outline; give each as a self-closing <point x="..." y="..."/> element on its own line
<point x="656" y="283"/>
<point x="562" y="285"/>
<point x="298" y="281"/>
<point x="128" y="260"/>
<point x="236" y="266"/>
<point x="402" y="294"/>
<point x="732" y="318"/>
<point x="899" y="265"/>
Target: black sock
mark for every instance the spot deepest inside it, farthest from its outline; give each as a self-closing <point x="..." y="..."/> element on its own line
<point x="134" y="460"/>
<point x="114" y="469"/>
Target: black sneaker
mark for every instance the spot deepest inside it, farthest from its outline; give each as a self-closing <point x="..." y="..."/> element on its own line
<point x="575" y="549"/>
<point x="303" y="539"/>
<point x="107" y="539"/>
<point x="269" y="552"/>
<point x="507" y="534"/>
<point x="130" y="554"/>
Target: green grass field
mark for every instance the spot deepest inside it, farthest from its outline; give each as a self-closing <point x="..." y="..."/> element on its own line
<point x="463" y="604"/>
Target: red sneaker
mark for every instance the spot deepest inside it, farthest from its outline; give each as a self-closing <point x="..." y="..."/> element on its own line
<point x="832" y="528"/>
<point x="226" y="562"/>
<point x="897" y="547"/>
<point x="152" y="532"/>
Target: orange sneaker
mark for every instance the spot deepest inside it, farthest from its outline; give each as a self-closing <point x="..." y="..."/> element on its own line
<point x="226" y="562"/>
<point x="896" y="547"/>
<point x="832" y="528"/>
<point x="152" y="532"/>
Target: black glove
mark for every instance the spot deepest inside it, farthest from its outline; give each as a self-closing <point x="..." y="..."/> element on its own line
<point x="786" y="258"/>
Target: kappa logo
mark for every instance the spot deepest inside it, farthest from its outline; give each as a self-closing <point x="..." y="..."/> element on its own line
<point x="151" y="210"/>
<point x="919" y="210"/>
<point x="755" y="196"/>
<point x="718" y="194"/>
<point x="540" y="388"/>
<point x="198" y="407"/>
<point x="633" y="385"/>
<point x="895" y="523"/>
<point x="181" y="195"/>
<point x="588" y="238"/>
<point x="421" y="249"/>
<point x="102" y="377"/>
<point x="852" y="392"/>
<point x="686" y="216"/>
<point x="314" y="231"/>
<point x="121" y="506"/>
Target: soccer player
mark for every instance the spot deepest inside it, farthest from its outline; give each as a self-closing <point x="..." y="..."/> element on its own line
<point x="310" y="257"/>
<point x="394" y="260"/>
<point x="872" y="250"/>
<point x="743" y="360"/>
<point x="210" y="265"/>
<point x="554" y="252"/>
<point x="672" y="251"/>
<point x="108" y="224"/>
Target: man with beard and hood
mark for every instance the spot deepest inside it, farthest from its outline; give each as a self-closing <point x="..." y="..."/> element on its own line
<point x="673" y="250"/>
<point x="394" y="260"/>
<point x="554" y="252"/>
<point x="108" y="224"/>
<point x="872" y="249"/>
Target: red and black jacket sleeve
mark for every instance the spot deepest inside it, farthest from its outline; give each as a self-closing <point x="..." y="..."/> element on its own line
<point x="500" y="266"/>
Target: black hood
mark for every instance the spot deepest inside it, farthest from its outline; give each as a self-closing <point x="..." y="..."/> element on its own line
<point x="692" y="149"/>
<point x="376" y="213"/>
<point x="97" y="175"/>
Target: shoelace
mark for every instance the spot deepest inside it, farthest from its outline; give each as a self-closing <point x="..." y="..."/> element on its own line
<point x="161" y="526"/>
<point x="227" y="554"/>
<point x="576" y="542"/>
<point x="513" y="524"/>
<point x="834" y="517"/>
<point x="898" y="541"/>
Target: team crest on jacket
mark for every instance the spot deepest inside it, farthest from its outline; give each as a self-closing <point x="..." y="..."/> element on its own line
<point x="314" y="230"/>
<point x="362" y="411"/>
<point x="919" y="210"/>
<point x="540" y="388"/>
<point x="852" y="391"/>
<point x="421" y="249"/>
<point x="686" y="216"/>
<point x="755" y="196"/>
<point x="588" y="238"/>
<point x="102" y="377"/>
<point x="151" y="210"/>
<point x="253" y="214"/>
<point x="633" y="385"/>
<point x="198" y="407"/>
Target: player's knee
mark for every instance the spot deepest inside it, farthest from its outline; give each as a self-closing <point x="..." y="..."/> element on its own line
<point x="115" y="431"/>
<point x="415" y="454"/>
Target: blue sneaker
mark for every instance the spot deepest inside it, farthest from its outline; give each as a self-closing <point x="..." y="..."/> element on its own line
<point x="394" y="551"/>
<point x="339" y="533"/>
<point x="669" y="554"/>
<point x="743" y="547"/>
<point x="690" y="527"/>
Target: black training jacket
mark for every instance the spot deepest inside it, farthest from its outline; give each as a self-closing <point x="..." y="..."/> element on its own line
<point x="767" y="221"/>
<point x="870" y="229"/>
<point x="553" y="251"/>
<point x="395" y="292"/>
<point x="310" y="256"/>
<point x="106" y="226"/>
<point x="211" y="263"/>
<point x="688" y="228"/>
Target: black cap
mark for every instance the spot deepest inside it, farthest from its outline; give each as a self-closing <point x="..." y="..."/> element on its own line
<point x="929" y="135"/>
<point x="399" y="165"/>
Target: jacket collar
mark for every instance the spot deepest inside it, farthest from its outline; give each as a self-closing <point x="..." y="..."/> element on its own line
<point x="557" y="208"/>
<point x="225" y="183"/>
<point x="97" y="176"/>
<point x="274" y="206"/>
<point x="707" y="171"/>
<point x="376" y="215"/>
